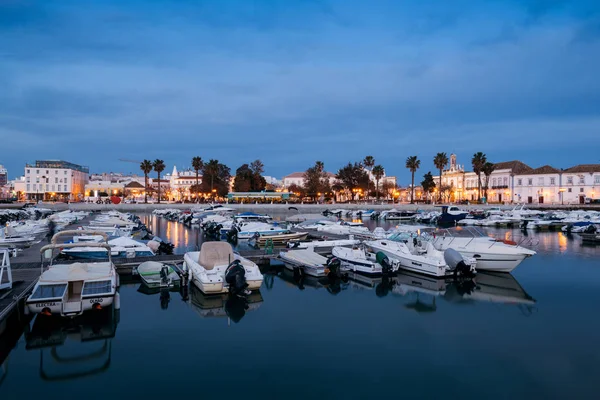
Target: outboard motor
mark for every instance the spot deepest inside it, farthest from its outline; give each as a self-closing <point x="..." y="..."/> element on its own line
<point x="456" y="262"/>
<point x="384" y="261"/>
<point x="165" y="248"/>
<point x="164" y="275"/>
<point x="232" y="235"/>
<point x="334" y="265"/>
<point x="235" y="276"/>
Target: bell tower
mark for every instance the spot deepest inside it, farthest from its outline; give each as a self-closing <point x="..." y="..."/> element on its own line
<point x="452" y="162"/>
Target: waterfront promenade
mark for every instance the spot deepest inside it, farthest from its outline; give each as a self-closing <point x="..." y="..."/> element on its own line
<point x="285" y="208"/>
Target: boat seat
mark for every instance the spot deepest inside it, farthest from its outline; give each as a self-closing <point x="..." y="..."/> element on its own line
<point x="215" y="253"/>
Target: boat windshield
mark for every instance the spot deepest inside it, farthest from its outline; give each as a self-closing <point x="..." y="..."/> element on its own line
<point x="90" y="288"/>
<point x="49" y="291"/>
<point x="402" y="236"/>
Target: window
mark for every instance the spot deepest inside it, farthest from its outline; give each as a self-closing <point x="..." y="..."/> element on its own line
<point x="597" y="179"/>
<point x="505" y="181"/>
<point x="581" y="190"/>
<point x="27" y="180"/>
<point x="53" y="187"/>
<point x="519" y="182"/>
<point x="49" y="291"/>
<point x="37" y="171"/>
<point x="55" y="180"/>
<point x="581" y="180"/>
<point x="55" y="172"/>
<point x="541" y="181"/>
<point x="34" y="186"/>
<point x="570" y="190"/>
<point x="530" y="181"/>
<point x="47" y="172"/>
<point x="552" y="181"/>
<point x="28" y="187"/>
<point x="37" y="180"/>
<point x="59" y="187"/>
<point x="569" y="180"/>
<point x="65" y="171"/>
<point x="96" y="288"/>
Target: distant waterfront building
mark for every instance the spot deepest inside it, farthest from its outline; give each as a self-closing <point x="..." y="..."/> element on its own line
<point x="3" y="176"/>
<point x="516" y="182"/>
<point x="181" y="182"/>
<point x="297" y="178"/>
<point x="55" y="180"/>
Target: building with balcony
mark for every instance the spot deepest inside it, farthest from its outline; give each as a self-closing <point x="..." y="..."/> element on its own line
<point x="55" y="180"/>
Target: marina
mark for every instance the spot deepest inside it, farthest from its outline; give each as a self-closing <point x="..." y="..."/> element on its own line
<point x="524" y="298"/>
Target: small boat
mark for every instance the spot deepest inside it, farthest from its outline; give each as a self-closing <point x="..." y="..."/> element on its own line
<point x="280" y="239"/>
<point x="158" y="275"/>
<point x="311" y="263"/>
<point x="450" y="215"/>
<point x="70" y="290"/>
<point x="217" y="269"/>
<point x="121" y="247"/>
<point x="358" y="259"/>
<point x="322" y="244"/>
<point x="421" y="256"/>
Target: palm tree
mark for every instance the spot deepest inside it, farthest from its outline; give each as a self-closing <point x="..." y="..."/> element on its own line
<point x="478" y="161"/>
<point x="413" y="164"/>
<point x="197" y="164"/>
<point x="487" y="170"/>
<point x="159" y="166"/>
<point x="368" y="163"/>
<point x="440" y="161"/>
<point x="146" y="167"/>
<point x="212" y="168"/>
<point x="378" y="173"/>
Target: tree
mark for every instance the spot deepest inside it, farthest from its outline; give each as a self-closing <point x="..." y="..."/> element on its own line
<point x="197" y="165"/>
<point x="487" y="170"/>
<point x="297" y="190"/>
<point x="146" y="167"/>
<point x="428" y="183"/>
<point x="257" y="167"/>
<point x="159" y="166"/>
<point x="353" y="177"/>
<point x="388" y="188"/>
<point x="446" y="191"/>
<point x="413" y="164"/>
<point x="478" y="161"/>
<point x="243" y="179"/>
<point x="215" y="178"/>
<point x="368" y="163"/>
<point x="440" y="161"/>
<point x="316" y="180"/>
<point x="378" y="173"/>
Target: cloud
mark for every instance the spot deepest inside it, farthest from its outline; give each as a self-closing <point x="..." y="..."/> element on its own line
<point x="293" y="82"/>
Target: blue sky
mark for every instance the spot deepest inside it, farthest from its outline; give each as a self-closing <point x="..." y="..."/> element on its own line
<point x="294" y="81"/>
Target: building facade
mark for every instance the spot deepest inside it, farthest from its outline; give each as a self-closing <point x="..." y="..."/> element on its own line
<point x="3" y="176"/>
<point x="55" y="180"/>
<point x="516" y="182"/>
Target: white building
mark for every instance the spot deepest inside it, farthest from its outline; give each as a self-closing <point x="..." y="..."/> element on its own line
<point x="297" y="178"/>
<point x="55" y="180"/>
<point x="181" y="182"/>
<point x="3" y="176"/>
<point x="540" y="185"/>
<point x="581" y="184"/>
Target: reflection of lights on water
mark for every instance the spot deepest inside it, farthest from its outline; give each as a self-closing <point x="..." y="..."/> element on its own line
<point x="562" y="242"/>
<point x="169" y="231"/>
<point x="185" y="237"/>
<point x="176" y="238"/>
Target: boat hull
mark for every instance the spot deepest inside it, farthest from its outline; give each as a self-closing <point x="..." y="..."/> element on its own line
<point x="55" y="307"/>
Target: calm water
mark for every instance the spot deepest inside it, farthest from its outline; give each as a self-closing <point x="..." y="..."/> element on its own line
<point x="413" y="337"/>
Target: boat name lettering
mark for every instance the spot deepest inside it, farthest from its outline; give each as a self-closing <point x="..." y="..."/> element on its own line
<point x="40" y="305"/>
<point x="100" y="300"/>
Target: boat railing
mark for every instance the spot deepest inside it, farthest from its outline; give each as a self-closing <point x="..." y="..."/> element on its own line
<point x="5" y="270"/>
<point x="47" y="252"/>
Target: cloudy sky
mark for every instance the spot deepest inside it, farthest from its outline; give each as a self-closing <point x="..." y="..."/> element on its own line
<point x="294" y="81"/>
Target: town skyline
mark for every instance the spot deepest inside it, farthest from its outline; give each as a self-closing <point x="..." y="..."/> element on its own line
<point x="292" y="82"/>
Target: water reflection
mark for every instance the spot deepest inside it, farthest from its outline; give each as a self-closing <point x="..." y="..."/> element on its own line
<point x="73" y="348"/>
<point x="232" y="307"/>
<point x="165" y="294"/>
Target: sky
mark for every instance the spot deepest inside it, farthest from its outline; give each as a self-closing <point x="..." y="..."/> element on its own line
<point x="294" y="81"/>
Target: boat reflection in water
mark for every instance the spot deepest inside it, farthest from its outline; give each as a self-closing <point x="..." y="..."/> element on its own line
<point x="485" y="287"/>
<point x="223" y="305"/>
<point x="73" y="348"/>
<point x="333" y="285"/>
<point x="165" y="293"/>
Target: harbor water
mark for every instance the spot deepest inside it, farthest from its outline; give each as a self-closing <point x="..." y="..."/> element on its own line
<point x="529" y="334"/>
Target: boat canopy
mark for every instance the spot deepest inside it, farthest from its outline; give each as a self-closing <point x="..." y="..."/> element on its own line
<point x="77" y="272"/>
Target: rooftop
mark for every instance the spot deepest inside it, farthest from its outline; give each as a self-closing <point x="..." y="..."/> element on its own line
<point x="584" y="168"/>
<point x="546" y="169"/>
<point x="301" y="175"/>
<point x="58" y="164"/>
<point x="516" y="166"/>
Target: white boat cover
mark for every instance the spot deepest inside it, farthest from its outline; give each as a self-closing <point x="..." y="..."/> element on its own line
<point x="304" y="257"/>
<point x="77" y="272"/>
<point x="125" y="242"/>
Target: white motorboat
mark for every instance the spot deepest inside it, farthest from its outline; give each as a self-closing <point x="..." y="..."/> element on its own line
<point x="247" y="230"/>
<point x="69" y="290"/>
<point x="420" y="256"/>
<point x="15" y="242"/>
<point x="120" y="247"/>
<point x="307" y="260"/>
<point x="158" y="275"/>
<point x="358" y="259"/>
<point x="322" y="244"/>
<point x="491" y="254"/>
<point x="217" y="269"/>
